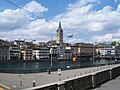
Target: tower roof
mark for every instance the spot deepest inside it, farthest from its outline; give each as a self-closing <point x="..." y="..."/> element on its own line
<point x="59" y="24"/>
<point x="59" y="27"/>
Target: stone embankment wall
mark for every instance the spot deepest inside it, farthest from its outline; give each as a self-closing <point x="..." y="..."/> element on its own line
<point x="83" y="82"/>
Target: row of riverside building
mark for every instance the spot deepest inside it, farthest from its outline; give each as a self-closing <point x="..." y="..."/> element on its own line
<point x="57" y="49"/>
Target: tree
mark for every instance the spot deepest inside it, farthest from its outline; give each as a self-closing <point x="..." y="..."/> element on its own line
<point x="99" y="53"/>
<point x="113" y="43"/>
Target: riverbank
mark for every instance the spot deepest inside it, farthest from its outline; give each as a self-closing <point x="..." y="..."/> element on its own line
<point x="38" y="66"/>
<point x="55" y="59"/>
<point x="45" y="78"/>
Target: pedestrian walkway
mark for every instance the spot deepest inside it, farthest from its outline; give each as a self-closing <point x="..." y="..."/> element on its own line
<point x="26" y="80"/>
<point x="110" y="85"/>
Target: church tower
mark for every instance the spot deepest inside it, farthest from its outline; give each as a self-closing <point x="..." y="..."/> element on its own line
<point x="59" y="34"/>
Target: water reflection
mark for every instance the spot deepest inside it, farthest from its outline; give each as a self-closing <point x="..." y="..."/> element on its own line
<point x="24" y="65"/>
<point x="41" y="66"/>
<point x="37" y="65"/>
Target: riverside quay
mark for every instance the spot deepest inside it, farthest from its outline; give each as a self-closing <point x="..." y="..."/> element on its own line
<point x="73" y="79"/>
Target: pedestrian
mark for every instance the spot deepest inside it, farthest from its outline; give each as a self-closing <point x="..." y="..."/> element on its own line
<point x="49" y="72"/>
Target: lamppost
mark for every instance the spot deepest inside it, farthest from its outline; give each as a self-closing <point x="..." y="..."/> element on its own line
<point x="93" y="54"/>
<point x="51" y="52"/>
<point x="103" y="52"/>
<point x="116" y="52"/>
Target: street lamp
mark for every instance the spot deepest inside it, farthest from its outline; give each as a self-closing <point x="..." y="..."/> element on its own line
<point x="116" y="46"/>
<point x="93" y="54"/>
<point x="51" y="52"/>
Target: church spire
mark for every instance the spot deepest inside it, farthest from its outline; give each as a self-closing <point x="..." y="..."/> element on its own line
<point x="59" y="34"/>
<point x="59" y="28"/>
<point x="59" y="24"/>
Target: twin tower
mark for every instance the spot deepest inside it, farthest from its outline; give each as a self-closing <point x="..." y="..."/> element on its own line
<point x="59" y="33"/>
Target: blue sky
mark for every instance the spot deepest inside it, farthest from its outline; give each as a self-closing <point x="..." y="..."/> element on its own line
<point x="87" y="20"/>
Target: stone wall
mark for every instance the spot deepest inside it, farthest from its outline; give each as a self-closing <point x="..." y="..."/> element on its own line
<point x="100" y="77"/>
<point x="115" y="72"/>
<point x="83" y="82"/>
<point x="78" y="83"/>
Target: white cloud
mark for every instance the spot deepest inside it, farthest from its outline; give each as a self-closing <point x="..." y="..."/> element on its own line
<point x="107" y="9"/>
<point x="15" y="19"/>
<point x="39" y="30"/>
<point x="105" y="38"/>
<point x="85" y="18"/>
<point x="17" y="24"/>
<point x="33" y="6"/>
<point x="76" y="17"/>
<point x="81" y="3"/>
<point x="12" y="19"/>
<point x="73" y="40"/>
<point x="118" y="8"/>
<point x="79" y="18"/>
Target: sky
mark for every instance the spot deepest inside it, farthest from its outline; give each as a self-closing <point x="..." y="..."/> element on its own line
<point x="87" y="20"/>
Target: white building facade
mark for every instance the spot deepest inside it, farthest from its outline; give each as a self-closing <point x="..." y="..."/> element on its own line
<point x="107" y="52"/>
<point x="60" y="51"/>
<point x="41" y="52"/>
<point x="14" y="52"/>
<point x="68" y="53"/>
<point x="27" y="54"/>
<point x="5" y="52"/>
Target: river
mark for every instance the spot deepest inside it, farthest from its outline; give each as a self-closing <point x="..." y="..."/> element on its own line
<point x="20" y="66"/>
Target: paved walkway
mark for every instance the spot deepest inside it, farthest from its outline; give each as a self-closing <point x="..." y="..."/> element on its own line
<point x="110" y="85"/>
<point x="20" y="81"/>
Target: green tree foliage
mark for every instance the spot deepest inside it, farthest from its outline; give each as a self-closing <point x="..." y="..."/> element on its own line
<point x="113" y="43"/>
<point x="99" y="53"/>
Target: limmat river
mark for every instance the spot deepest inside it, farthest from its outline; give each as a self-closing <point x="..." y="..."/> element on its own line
<point x="20" y="66"/>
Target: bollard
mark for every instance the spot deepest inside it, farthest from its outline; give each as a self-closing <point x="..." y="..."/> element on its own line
<point x="68" y="77"/>
<point x="74" y="75"/>
<point x="97" y="69"/>
<point x="59" y="79"/>
<point x="104" y="67"/>
<point x="59" y="73"/>
<point x="20" y="83"/>
<point x="93" y="81"/>
<point x="110" y="73"/>
<point x="34" y="83"/>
